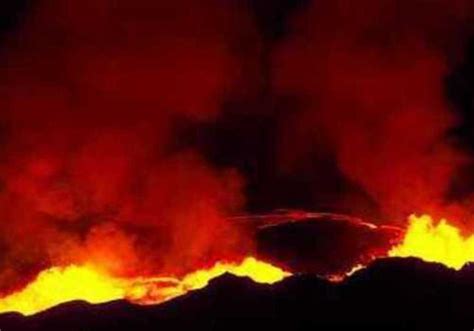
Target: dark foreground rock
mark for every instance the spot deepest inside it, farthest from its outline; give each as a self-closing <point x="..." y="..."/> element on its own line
<point x="398" y="294"/>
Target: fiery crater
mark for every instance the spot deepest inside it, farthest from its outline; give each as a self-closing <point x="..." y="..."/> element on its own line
<point x="63" y="284"/>
<point x="433" y="242"/>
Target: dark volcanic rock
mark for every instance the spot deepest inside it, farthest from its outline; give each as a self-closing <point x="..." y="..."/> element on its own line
<point x="321" y="243"/>
<point x="397" y="293"/>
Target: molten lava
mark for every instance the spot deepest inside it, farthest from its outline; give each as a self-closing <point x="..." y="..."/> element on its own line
<point x="62" y="284"/>
<point x="441" y="242"/>
<point x="433" y="242"/>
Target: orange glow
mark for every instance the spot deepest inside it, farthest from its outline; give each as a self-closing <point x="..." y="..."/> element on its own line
<point x="58" y="285"/>
<point x="431" y="242"/>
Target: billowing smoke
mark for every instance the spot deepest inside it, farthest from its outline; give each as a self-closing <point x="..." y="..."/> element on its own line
<point x="94" y="96"/>
<point x="130" y="130"/>
<point x="369" y="79"/>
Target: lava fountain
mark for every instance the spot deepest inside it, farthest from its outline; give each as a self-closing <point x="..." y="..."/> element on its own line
<point x="57" y="285"/>
<point x="435" y="242"/>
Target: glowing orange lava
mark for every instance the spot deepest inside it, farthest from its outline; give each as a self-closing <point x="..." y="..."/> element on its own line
<point x="433" y="242"/>
<point x="62" y="284"/>
<point x="439" y="242"/>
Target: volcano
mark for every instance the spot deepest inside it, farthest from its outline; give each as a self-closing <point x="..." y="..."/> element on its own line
<point x="212" y="164"/>
<point x="365" y="288"/>
<point x="404" y="293"/>
<point x="287" y="242"/>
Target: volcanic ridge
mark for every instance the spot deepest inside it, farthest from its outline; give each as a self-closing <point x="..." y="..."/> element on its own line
<point x="403" y="293"/>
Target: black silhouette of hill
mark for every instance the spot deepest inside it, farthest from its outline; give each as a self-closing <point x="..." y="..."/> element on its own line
<point x="391" y="294"/>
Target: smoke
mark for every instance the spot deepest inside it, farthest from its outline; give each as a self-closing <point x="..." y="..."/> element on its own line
<point x="369" y="77"/>
<point x="93" y="166"/>
<point x="98" y="98"/>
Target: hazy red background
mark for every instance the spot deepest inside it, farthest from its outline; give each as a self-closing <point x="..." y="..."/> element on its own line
<point x="130" y="130"/>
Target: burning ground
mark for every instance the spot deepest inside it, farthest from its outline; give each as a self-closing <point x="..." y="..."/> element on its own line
<point x="298" y="242"/>
<point x="395" y="293"/>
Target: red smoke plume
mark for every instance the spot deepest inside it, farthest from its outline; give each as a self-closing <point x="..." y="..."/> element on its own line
<point x="369" y="75"/>
<point x="91" y="162"/>
<point x="94" y="96"/>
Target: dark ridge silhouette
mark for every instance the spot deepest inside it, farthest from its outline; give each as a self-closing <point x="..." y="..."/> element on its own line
<point x="395" y="293"/>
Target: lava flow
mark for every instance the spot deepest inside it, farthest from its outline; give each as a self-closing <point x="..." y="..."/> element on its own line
<point x="433" y="242"/>
<point x="441" y="242"/>
<point x="63" y="284"/>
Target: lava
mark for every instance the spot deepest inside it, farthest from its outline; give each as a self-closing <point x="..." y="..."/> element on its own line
<point x="441" y="242"/>
<point x="57" y="285"/>
<point x="430" y="241"/>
